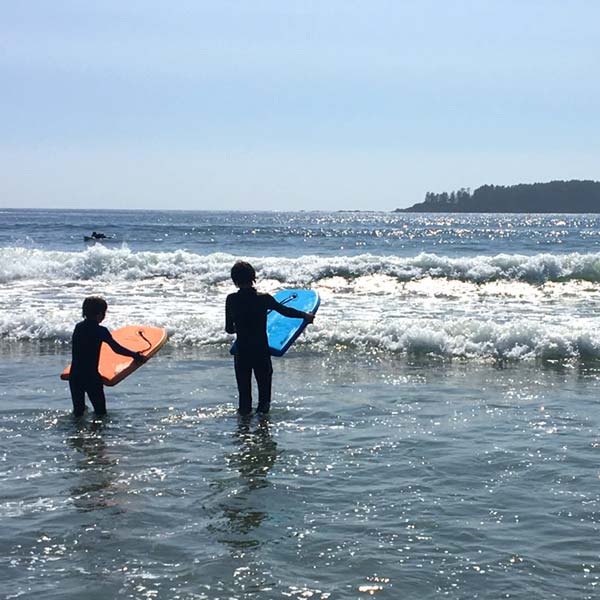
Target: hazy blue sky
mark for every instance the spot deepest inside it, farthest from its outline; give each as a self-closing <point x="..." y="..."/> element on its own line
<point x="282" y="104"/>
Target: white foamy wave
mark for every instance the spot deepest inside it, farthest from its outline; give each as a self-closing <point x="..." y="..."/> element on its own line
<point x="100" y="263"/>
<point x="468" y="338"/>
<point x="480" y="307"/>
<point x="465" y="338"/>
<point x="33" y="325"/>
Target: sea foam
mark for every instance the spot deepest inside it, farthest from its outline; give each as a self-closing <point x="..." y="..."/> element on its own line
<point x="507" y="307"/>
<point x="109" y="264"/>
<point x="468" y="338"/>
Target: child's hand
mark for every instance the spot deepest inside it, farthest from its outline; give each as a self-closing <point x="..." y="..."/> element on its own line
<point x="139" y="357"/>
<point x="309" y="317"/>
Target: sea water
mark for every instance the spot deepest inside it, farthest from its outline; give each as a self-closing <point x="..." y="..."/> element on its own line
<point x="434" y="433"/>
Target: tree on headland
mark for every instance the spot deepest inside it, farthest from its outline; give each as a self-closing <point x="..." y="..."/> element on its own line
<point x="575" y="196"/>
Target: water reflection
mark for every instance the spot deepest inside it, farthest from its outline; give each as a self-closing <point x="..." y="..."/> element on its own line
<point x="244" y="508"/>
<point x="257" y="452"/>
<point x="96" y="468"/>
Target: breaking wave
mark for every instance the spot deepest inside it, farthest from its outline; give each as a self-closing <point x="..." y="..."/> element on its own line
<point x="99" y="263"/>
<point x="482" y="307"/>
<point x="459" y="338"/>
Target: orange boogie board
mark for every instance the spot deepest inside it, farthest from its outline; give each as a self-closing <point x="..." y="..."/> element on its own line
<point x="139" y="338"/>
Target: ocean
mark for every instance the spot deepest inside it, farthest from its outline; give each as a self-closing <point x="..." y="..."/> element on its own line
<point x="434" y="433"/>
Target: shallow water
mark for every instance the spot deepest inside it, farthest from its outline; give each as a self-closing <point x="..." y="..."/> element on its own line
<point x="434" y="433"/>
<point x="377" y="477"/>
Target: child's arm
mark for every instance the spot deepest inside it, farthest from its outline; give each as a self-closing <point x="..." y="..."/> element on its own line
<point x="288" y="311"/>
<point x="116" y="347"/>
<point x="229" y="322"/>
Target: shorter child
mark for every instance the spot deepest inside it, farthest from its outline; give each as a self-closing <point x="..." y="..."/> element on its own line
<point x="88" y="336"/>
<point x="246" y="316"/>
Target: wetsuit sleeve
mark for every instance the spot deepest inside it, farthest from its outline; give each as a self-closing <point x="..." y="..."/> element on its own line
<point x="286" y="311"/>
<point x="229" y="322"/>
<point x="106" y="336"/>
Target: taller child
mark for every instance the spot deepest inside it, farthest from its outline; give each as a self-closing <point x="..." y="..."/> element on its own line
<point x="246" y="316"/>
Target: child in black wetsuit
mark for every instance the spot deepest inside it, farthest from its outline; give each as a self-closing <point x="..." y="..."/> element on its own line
<point x="246" y="316"/>
<point x="88" y="336"/>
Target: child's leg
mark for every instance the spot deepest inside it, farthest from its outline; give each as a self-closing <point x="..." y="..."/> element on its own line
<point x="243" y="376"/>
<point x="95" y="392"/>
<point x="263" y="371"/>
<point x="78" y="397"/>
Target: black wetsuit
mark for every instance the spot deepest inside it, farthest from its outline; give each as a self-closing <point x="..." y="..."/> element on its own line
<point x="246" y="316"/>
<point x="88" y="336"/>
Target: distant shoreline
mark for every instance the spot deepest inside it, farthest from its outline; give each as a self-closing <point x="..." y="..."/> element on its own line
<point x="566" y="197"/>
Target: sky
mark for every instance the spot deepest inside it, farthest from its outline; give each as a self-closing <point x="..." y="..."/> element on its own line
<point x="292" y="105"/>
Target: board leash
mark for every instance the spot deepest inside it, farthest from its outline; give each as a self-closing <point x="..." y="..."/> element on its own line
<point x="285" y="301"/>
<point x="141" y="334"/>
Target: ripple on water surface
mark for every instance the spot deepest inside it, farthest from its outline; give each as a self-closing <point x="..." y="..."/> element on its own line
<point x="394" y="479"/>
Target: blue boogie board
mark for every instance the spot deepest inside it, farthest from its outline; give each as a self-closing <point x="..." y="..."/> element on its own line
<point x="282" y="331"/>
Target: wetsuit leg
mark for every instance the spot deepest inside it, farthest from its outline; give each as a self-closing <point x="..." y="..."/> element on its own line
<point x="95" y="391"/>
<point x="263" y="372"/>
<point x="243" y="376"/>
<point x="78" y="397"/>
